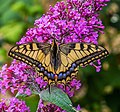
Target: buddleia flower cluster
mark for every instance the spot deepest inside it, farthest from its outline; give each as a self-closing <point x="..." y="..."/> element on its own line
<point x="13" y="105"/>
<point x="70" y="21"/>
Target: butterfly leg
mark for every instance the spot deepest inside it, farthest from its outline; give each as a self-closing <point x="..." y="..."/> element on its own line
<point x="49" y="88"/>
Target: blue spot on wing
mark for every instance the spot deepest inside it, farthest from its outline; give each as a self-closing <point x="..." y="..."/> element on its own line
<point x="39" y="65"/>
<point x="74" y="65"/>
<point x="42" y="69"/>
<point x="60" y="76"/>
<point x="52" y="76"/>
<point x="71" y="69"/>
<point x="68" y="72"/>
<point x="64" y="75"/>
<point x="45" y="72"/>
<point x="48" y="75"/>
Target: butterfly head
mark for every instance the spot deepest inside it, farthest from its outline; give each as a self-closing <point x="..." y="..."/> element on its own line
<point x="54" y="43"/>
<point x="54" y="47"/>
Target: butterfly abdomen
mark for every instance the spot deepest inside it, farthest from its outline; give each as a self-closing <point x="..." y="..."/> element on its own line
<point x="55" y="55"/>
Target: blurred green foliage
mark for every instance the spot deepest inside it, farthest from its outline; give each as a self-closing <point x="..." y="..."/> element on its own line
<point x="100" y="92"/>
<point x="15" y="17"/>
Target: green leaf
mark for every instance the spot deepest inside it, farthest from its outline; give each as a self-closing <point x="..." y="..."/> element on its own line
<point x="31" y="101"/>
<point x="57" y="97"/>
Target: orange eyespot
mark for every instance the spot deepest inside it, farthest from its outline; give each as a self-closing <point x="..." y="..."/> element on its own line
<point x="56" y="77"/>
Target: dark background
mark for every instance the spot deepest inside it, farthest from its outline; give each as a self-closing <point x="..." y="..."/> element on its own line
<point x="100" y="92"/>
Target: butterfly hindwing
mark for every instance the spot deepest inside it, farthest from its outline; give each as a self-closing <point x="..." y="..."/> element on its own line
<point x="74" y="54"/>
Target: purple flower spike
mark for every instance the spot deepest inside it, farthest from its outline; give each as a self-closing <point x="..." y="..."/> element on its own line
<point x="13" y="105"/>
<point x="74" y="21"/>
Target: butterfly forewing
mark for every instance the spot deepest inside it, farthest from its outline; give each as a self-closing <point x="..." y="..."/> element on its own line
<point x="34" y="54"/>
<point x="82" y="53"/>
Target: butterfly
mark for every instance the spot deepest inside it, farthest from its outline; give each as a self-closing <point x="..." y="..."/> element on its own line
<point x="57" y="63"/>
